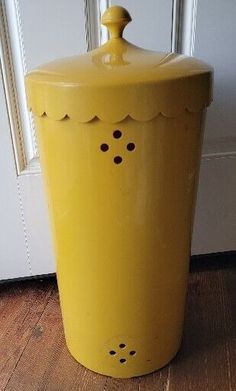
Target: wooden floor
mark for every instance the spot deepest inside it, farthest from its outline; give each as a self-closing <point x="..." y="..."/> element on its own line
<point x="33" y="355"/>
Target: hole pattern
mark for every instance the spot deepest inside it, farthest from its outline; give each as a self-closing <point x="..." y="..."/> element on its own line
<point x="122" y="354"/>
<point x="117" y="134"/>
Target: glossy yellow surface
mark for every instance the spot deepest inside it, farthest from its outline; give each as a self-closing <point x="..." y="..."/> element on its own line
<point x="121" y="179"/>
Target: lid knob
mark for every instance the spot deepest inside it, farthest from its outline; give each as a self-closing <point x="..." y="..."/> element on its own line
<point x="115" y="18"/>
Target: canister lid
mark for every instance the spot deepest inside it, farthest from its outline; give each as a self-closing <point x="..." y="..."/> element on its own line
<point x="118" y="80"/>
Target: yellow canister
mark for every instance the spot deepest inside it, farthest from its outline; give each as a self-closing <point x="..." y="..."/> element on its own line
<point x="120" y="132"/>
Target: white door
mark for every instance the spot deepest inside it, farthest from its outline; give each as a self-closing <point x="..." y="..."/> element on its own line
<point x="34" y="32"/>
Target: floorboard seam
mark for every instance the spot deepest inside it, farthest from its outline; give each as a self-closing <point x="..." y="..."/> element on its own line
<point x="225" y="330"/>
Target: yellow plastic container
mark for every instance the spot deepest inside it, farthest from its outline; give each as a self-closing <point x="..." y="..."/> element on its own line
<point x="120" y="133"/>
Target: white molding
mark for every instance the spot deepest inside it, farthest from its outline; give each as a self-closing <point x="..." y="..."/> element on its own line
<point x="176" y="25"/>
<point x="13" y="62"/>
<point x="189" y="27"/>
<point x="96" y="34"/>
<point x="184" y="16"/>
<point x="219" y="155"/>
<point x="33" y="167"/>
<point x="91" y="11"/>
<point x="104" y="36"/>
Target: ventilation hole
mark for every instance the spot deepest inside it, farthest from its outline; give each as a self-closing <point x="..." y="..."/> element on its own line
<point x="112" y="352"/>
<point x="104" y="147"/>
<point x="132" y="353"/>
<point x="130" y="146"/>
<point x="122" y="345"/>
<point x="118" y="159"/>
<point x="117" y="134"/>
<point x="122" y="360"/>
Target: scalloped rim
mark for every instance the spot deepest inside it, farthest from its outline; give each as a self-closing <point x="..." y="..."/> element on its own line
<point x="103" y="118"/>
<point x="142" y="102"/>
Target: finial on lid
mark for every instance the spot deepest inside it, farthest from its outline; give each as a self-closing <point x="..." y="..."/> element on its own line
<point x="115" y="18"/>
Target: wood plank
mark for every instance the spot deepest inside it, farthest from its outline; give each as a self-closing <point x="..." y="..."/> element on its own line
<point x="122" y="384"/>
<point x="159" y="380"/>
<point x="46" y="363"/>
<point x="229" y="300"/>
<point x="203" y="362"/>
<point x="21" y="305"/>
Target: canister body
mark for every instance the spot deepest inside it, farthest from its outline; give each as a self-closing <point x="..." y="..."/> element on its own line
<point x="121" y="206"/>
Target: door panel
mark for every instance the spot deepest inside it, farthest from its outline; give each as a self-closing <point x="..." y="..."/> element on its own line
<point x="32" y="33"/>
<point x="215" y="223"/>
